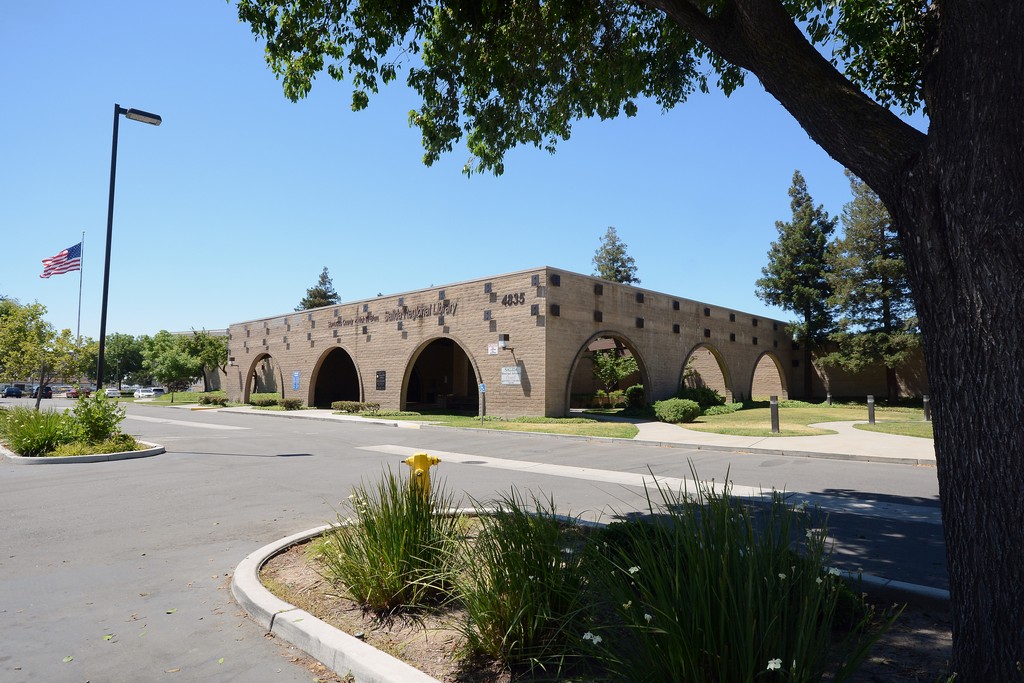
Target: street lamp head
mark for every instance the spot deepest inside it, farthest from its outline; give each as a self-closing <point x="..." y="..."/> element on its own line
<point x="144" y="116"/>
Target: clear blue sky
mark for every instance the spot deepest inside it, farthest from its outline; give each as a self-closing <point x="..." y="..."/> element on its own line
<point x="231" y="208"/>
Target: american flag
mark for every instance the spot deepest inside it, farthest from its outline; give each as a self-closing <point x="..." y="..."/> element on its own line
<point x="66" y="261"/>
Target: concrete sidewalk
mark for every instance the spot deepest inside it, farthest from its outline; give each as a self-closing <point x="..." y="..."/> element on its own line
<point x="848" y="443"/>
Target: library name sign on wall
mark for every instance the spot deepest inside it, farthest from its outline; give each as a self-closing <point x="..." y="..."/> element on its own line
<point x="399" y="314"/>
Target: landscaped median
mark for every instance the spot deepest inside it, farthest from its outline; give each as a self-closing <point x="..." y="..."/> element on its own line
<point x="87" y="433"/>
<point x="698" y="587"/>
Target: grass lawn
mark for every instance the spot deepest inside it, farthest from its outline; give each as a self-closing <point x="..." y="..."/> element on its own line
<point x="549" y="425"/>
<point x="794" y="420"/>
<point x="920" y="429"/>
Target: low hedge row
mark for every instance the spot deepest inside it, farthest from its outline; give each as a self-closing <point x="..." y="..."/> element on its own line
<point x="264" y="400"/>
<point x="355" y="406"/>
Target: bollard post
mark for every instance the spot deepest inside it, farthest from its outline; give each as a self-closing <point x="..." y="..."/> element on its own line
<point x="871" y="410"/>
<point x="927" y="408"/>
<point x="421" y="464"/>
<point x="775" y="414"/>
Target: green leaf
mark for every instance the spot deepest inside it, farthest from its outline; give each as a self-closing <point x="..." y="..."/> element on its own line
<point x="67" y="659"/>
<point x="109" y="636"/>
<point x="171" y="611"/>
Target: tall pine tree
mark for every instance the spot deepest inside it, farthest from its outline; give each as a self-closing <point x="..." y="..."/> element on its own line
<point x="612" y="262"/>
<point x="321" y="294"/>
<point x="870" y="290"/>
<point x="796" y="277"/>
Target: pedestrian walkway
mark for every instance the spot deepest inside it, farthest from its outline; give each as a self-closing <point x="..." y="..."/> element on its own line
<point x="848" y="442"/>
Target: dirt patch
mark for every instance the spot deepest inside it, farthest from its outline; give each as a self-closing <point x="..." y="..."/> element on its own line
<point x="916" y="650"/>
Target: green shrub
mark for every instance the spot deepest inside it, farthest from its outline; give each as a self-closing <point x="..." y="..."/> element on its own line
<point x="32" y="433"/>
<point x="705" y="397"/>
<point x="677" y="410"/>
<point x="635" y="396"/>
<point x="716" y="589"/>
<point x="398" y="548"/>
<point x="97" y="418"/>
<point x="388" y="413"/>
<point x="264" y="400"/>
<point x="523" y="585"/>
<point x="213" y="398"/>
<point x="617" y="398"/>
<point x="355" y="406"/>
<point x="119" y="443"/>
<point x="723" y="410"/>
<point x="291" y="403"/>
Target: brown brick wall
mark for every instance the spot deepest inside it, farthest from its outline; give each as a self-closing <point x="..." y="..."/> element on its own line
<point x="549" y="315"/>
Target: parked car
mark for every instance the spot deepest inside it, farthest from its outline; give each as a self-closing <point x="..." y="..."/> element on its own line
<point x="112" y="392"/>
<point x="12" y="392"/>
<point x="47" y="392"/>
<point x="148" y="392"/>
<point x="75" y="392"/>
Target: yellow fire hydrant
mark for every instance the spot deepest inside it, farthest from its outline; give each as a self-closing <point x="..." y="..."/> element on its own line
<point x="421" y="464"/>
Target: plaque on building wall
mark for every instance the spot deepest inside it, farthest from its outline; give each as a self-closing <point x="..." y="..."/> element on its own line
<point x="492" y="349"/>
<point x="382" y="380"/>
<point x="295" y="381"/>
<point x="511" y="374"/>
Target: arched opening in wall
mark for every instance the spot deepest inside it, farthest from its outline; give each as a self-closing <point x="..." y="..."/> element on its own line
<point x="768" y="380"/>
<point x="335" y="378"/>
<point x="441" y="379"/>
<point x="603" y="369"/>
<point x="264" y="378"/>
<point x="704" y="367"/>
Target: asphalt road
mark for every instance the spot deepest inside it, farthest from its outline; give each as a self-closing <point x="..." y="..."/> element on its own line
<point x="119" y="571"/>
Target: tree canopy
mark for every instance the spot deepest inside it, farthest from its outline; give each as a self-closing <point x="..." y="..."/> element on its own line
<point x="870" y="290"/>
<point x="320" y="294"/>
<point x="501" y="74"/>
<point x="796" y="276"/>
<point x="612" y="262"/>
<point x="31" y="348"/>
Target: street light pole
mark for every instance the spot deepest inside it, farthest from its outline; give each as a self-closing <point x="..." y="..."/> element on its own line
<point x="135" y="115"/>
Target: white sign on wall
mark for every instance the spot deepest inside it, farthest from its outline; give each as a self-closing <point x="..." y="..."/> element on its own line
<point x="511" y="374"/>
<point x="492" y="349"/>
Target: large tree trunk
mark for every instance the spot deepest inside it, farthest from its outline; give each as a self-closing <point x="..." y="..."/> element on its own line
<point x="957" y="199"/>
<point x="961" y="219"/>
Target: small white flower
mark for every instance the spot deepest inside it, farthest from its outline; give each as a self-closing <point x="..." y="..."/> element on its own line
<point x="833" y="571"/>
<point x="818" y="581"/>
<point x="648" y="617"/>
<point x="588" y="636"/>
<point x="634" y="570"/>
<point x="627" y="605"/>
<point x="597" y="640"/>
<point x="782" y="576"/>
<point x="774" y="664"/>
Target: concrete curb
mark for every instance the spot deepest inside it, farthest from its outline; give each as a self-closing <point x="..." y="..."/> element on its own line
<point x="343" y="653"/>
<point x="154" y="449"/>
<point x="335" y="649"/>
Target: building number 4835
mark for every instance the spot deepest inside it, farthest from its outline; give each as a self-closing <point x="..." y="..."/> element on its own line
<point x="516" y="299"/>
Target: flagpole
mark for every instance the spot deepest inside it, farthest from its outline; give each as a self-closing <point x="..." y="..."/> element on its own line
<point x="78" y="330"/>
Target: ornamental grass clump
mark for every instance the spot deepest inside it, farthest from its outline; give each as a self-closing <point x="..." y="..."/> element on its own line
<point x="711" y="588"/>
<point x="33" y="433"/>
<point x="398" y="547"/>
<point x="523" y="585"/>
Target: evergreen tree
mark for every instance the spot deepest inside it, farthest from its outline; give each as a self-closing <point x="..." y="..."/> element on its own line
<point x="612" y="262"/>
<point x="321" y="294"/>
<point x="796" y="277"/>
<point x="870" y="290"/>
